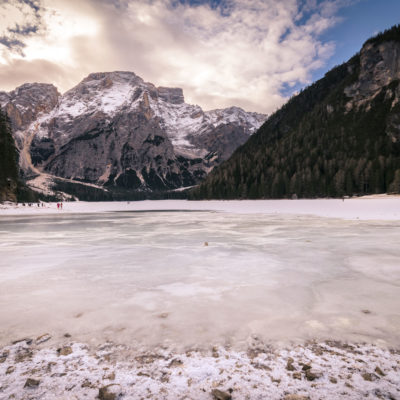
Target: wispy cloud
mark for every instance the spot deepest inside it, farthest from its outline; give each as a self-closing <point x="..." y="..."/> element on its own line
<point x="18" y="20"/>
<point x="234" y="52"/>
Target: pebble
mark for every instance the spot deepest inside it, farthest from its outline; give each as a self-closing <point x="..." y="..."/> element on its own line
<point x="87" y="384"/>
<point x="104" y="394"/>
<point x="215" y="353"/>
<point x="368" y="376"/>
<point x="31" y="383"/>
<point x="10" y="370"/>
<point x="312" y="375"/>
<point x="3" y="357"/>
<point x="220" y="395"/>
<point x="23" y="355"/>
<point x="42" y="338"/>
<point x="64" y="351"/>
<point x="289" y="365"/>
<point x="175" y="363"/>
<point x="109" y="392"/>
<point x="306" y="367"/>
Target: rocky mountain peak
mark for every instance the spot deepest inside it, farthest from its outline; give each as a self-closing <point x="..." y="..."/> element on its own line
<point x="127" y="84"/>
<point x="115" y="130"/>
<point x="102" y="92"/>
<point x="26" y="102"/>
<point x="171" y="95"/>
<point x="379" y="66"/>
<point x="104" y="80"/>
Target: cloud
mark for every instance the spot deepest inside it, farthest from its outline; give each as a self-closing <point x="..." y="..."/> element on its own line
<point x="12" y="43"/>
<point x="18" y="20"/>
<point x="19" y="71"/>
<point x="233" y="52"/>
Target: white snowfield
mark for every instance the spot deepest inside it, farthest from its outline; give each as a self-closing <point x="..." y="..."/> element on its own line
<point x="285" y="270"/>
<point x="174" y="299"/>
<point x="377" y="207"/>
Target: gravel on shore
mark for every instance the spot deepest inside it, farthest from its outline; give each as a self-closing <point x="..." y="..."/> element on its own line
<point x="37" y="369"/>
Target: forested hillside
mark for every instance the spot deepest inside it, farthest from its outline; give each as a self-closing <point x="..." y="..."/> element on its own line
<point x="340" y="136"/>
<point x="8" y="162"/>
<point x="11" y="188"/>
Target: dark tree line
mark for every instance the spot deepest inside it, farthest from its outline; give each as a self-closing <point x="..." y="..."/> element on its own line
<point x="11" y="187"/>
<point x="316" y="146"/>
<point x="8" y="161"/>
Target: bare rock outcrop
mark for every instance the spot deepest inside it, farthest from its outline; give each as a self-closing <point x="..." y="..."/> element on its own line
<point x="115" y="130"/>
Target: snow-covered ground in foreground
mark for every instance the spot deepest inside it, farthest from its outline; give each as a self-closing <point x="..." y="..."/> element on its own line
<point x="380" y="207"/>
<point x="175" y="302"/>
<point x="314" y="371"/>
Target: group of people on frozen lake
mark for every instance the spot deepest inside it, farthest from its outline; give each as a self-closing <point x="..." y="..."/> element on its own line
<point x="31" y="204"/>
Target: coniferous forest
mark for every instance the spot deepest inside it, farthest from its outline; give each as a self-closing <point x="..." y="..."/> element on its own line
<point x="8" y="161"/>
<point x="11" y="187"/>
<point x="316" y="146"/>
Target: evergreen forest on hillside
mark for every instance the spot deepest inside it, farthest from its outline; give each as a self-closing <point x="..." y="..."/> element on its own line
<point x="11" y="187"/>
<point x="315" y="147"/>
<point x="8" y="161"/>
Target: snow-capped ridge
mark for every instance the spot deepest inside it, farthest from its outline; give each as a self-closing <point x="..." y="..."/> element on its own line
<point x="113" y="128"/>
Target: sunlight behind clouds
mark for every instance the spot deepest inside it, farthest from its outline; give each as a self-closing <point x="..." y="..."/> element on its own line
<point x="240" y="55"/>
<point x="62" y="23"/>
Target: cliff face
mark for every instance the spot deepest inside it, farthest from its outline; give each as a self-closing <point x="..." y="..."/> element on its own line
<point x="340" y="136"/>
<point x="11" y="187"/>
<point x="24" y="104"/>
<point x="8" y="162"/>
<point x="379" y="66"/>
<point x="379" y="74"/>
<point x="116" y="131"/>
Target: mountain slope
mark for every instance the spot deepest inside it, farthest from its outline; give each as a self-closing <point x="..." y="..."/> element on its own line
<point x="340" y="136"/>
<point x="117" y="132"/>
<point x="8" y="162"/>
<point x="11" y="188"/>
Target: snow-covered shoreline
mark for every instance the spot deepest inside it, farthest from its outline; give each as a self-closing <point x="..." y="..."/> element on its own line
<point x="377" y="207"/>
<point x="343" y="273"/>
<point x="31" y="369"/>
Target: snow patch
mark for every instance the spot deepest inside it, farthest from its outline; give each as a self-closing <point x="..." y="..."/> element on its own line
<point x="328" y="370"/>
<point x="383" y="207"/>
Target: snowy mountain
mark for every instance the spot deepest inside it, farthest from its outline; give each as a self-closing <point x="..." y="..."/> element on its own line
<point x="115" y="131"/>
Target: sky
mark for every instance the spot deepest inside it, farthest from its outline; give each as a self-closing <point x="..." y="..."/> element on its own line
<point x="249" y="53"/>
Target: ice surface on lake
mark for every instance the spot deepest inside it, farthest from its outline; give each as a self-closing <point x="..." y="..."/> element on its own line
<point x="148" y="278"/>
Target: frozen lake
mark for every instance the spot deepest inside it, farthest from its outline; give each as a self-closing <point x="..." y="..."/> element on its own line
<point x="147" y="278"/>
